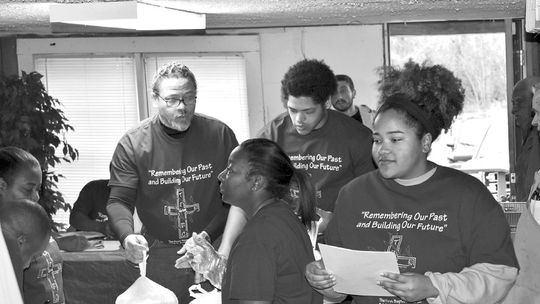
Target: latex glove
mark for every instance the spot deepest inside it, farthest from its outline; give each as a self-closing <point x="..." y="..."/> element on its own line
<point x="182" y="262"/>
<point x="204" y="259"/>
<point x="135" y="246"/>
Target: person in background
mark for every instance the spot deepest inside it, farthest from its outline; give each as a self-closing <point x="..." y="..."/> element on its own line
<point x="526" y="241"/>
<point x="329" y="147"/>
<point x="20" y="178"/>
<point x="267" y="260"/>
<point x="450" y="236"/>
<point x="343" y="101"/>
<point x="167" y="167"/>
<point x="528" y="153"/>
<point x="89" y="211"/>
<point x="28" y="223"/>
<point x="536" y="109"/>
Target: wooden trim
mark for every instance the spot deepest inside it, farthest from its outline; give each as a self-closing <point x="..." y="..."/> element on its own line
<point x="8" y="56"/>
<point x="447" y="28"/>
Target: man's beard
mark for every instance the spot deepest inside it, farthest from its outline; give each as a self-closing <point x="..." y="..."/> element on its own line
<point x="342" y="105"/>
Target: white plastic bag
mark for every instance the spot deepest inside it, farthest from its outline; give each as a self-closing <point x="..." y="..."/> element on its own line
<point x="204" y="297"/>
<point x="146" y="291"/>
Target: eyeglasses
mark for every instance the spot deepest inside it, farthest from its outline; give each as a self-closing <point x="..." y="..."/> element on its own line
<point x="174" y="102"/>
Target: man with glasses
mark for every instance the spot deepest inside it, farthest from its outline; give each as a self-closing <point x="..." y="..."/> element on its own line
<point x="167" y="168"/>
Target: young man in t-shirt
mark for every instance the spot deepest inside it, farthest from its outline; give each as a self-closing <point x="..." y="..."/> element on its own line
<point x="330" y="146"/>
<point x="167" y="168"/>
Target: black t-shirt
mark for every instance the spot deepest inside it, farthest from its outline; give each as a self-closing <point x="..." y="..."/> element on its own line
<point x="175" y="178"/>
<point x="444" y="224"/>
<point x="268" y="260"/>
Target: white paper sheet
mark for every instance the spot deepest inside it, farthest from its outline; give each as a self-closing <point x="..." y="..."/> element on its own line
<point x="357" y="272"/>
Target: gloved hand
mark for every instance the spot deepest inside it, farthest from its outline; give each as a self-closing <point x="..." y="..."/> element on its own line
<point x="204" y="259"/>
<point x="182" y="262"/>
<point x="135" y="246"/>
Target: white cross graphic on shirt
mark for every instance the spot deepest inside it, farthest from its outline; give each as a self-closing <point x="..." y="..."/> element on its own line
<point x="178" y="213"/>
<point x="49" y="272"/>
<point x="394" y="246"/>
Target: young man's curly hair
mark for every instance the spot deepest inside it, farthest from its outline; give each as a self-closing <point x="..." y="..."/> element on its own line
<point x="434" y="89"/>
<point x="309" y="78"/>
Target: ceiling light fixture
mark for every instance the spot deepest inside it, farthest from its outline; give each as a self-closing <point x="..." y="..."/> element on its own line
<point x="122" y="16"/>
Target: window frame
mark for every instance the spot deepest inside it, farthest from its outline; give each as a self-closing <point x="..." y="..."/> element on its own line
<point x="507" y="26"/>
<point x="246" y="45"/>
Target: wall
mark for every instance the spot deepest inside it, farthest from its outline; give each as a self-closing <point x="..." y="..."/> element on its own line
<point x="353" y="50"/>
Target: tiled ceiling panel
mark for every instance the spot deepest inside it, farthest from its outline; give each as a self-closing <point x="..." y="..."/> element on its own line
<point x="32" y="17"/>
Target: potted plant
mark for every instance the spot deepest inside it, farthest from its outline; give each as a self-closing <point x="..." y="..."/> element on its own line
<point x="31" y="119"/>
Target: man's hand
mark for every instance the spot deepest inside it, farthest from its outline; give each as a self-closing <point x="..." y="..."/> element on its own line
<point x="410" y="287"/>
<point x="135" y="246"/>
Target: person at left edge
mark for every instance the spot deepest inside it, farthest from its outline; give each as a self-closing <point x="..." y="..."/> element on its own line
<point x="167" y="168"/>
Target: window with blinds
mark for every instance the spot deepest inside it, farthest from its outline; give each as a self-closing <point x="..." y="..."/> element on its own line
<point x="98" y="96"/>
<point x="221" y="87"/>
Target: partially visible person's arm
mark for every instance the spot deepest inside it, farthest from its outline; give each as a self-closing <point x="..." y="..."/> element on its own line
<point x="120" y="210"/>
<point x="214" y="229"/>
<point x="235" y="223"/>
<point x="480" y="283"/>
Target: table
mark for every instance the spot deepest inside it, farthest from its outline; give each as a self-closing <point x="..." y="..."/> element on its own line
<point x="97" y="276"/>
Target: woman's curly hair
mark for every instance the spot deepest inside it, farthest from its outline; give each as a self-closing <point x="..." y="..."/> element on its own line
<point x="310" y="78"/>
<point x="434" y="89"/>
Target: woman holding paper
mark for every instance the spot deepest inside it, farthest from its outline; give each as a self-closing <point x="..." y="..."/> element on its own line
<point x="450" y="236"/>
